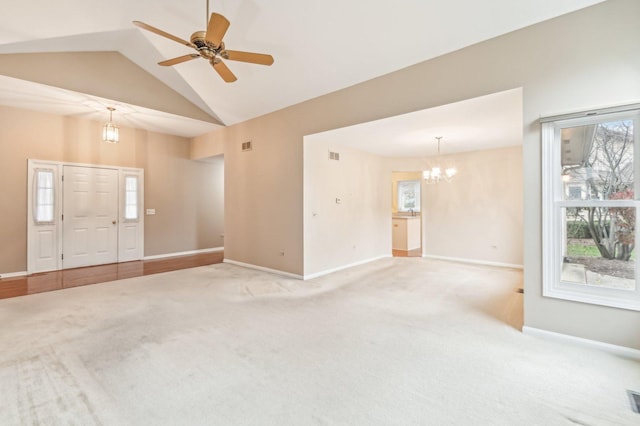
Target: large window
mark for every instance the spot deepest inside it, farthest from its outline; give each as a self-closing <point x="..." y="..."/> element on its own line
<point x="590" y="208"/>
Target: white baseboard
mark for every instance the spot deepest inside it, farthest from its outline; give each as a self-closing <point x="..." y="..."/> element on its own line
<point x="262" y="268"/>
<point x="183" y="253"/>
<point x="475" y="262"/>
<point x="13" y="274"/>
<point x="340" y="268"/>
<point x="622" y="351"/>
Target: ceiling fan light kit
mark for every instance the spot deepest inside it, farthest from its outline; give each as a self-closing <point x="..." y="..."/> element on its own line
<point x="210" y="46"/>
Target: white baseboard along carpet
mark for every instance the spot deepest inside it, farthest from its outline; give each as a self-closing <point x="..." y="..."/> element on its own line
<point x="399" y="341"/>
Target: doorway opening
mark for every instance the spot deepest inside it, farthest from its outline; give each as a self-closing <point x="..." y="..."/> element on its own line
<point x="406" y="214"/>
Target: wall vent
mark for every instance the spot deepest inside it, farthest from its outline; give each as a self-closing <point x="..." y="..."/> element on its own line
<point x="334" y="156"/>
<point x="246" y="146"/>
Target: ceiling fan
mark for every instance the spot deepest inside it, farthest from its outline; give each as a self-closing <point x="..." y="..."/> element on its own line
<point x="209" y="46"/>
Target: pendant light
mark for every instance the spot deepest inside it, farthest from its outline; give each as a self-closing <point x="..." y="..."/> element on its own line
<point x="437" y="174"/>
<point x="110" y="130"/>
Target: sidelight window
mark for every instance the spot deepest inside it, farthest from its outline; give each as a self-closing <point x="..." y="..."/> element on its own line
<point x="44" y="197"/>
<point x="131" y="198"/>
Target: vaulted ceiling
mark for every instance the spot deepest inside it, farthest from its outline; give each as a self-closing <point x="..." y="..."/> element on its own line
<point x="79" y="56"/>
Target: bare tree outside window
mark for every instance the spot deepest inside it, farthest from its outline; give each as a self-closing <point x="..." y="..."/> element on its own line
<point x="599" y="159"/>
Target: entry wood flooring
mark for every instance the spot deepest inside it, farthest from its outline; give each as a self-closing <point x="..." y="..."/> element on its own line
<point x="57" y="280"/>
<point x="407" y="253"/>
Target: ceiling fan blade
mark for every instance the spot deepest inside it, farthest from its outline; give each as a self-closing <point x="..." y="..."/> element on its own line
<point x="253" y="58"/>
<point x="179" y="60"/>
<point x="162" y="33"/>
<point x="224" y="72"/>
<point x="216" y="29"/>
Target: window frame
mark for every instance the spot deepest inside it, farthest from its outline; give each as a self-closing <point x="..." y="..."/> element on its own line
<point x="554" y="203"/>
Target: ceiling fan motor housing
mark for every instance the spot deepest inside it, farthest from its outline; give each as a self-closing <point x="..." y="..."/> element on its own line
<point x="206" y="49"/>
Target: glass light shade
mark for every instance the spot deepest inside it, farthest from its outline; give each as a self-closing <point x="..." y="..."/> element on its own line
<point x="110" y="133"/>
<point x="439" y="174"/>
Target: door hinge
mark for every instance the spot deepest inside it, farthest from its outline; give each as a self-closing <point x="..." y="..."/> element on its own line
<point x="62" y="256"/>
<point x="62" y="217"/>
<point x="63" y="178"/>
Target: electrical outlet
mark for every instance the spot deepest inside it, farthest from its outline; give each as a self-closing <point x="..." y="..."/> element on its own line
<point x="338" y="201"/>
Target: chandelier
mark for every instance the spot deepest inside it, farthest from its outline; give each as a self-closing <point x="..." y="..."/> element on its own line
<point x="110" y="130"/>
<point x="437" y="174"/>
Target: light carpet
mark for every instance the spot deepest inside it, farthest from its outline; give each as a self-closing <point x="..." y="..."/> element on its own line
<point x="399" y="341"/>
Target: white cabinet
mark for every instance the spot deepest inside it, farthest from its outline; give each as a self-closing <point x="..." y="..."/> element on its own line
<point x="405" y="233"/>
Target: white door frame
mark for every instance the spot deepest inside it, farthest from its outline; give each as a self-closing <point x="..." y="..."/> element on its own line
<point x="55" y="228"/>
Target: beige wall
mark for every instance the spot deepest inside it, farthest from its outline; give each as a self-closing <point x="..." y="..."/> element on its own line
<point x="478" y="215"/>
<point x="207" y="145"/>
<point x="356" y="229"/>
<point x="576" y="61"/>
<point x="178" y="188"/>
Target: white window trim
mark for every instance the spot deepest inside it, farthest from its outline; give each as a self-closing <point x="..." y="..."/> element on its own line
<point x="552" y="204"/>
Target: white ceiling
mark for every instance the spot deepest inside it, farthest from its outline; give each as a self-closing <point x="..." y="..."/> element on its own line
<point x="486" y="122"/>
<point x="319" y="47"/>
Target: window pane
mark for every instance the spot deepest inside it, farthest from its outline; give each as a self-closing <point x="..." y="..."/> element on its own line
<point x="131" y="197"/>
<point x="131" y="183"/>
<point x="597" y="161"/>
<point x="598" y="246"/>
<point x="43" y="199"/>
<point x="409" y="195"/>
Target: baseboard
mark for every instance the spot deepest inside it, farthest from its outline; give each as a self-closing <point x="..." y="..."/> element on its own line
<point x="13" y="274"/>
<point x="622" y="351"/>
<point x="340" y="268"/>
<point x="183" y="253"/>
<point x="263" y="269"/>
<point x="473" y="261"/>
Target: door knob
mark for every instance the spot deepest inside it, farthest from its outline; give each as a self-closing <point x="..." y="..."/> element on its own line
<point x="113" y="221"/>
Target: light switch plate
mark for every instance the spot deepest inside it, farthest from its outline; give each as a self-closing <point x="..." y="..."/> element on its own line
<point x="151" y="212"/>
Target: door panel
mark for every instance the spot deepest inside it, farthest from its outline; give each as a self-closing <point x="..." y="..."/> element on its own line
<point x="131" y="236"/>
<point x="90" y="204"/>
<point x="43" y="235"/>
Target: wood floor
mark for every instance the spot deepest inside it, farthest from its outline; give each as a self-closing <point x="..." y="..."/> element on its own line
<point x="57" y="280"/>
<point x="407" y="253"/>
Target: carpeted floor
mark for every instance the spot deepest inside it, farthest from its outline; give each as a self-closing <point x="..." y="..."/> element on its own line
<point x="400" y="341"/>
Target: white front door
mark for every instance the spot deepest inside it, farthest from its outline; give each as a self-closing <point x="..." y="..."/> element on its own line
<point x="90" y="223"/>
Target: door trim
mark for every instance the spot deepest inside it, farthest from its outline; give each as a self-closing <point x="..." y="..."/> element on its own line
<point x="57" y="166"/>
